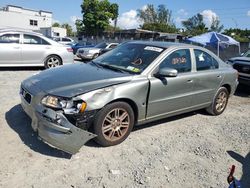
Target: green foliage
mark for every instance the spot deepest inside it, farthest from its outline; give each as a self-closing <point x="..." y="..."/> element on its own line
<point x="97" y="14"/>
<point x="111" y="28"/>
<point x="238" y="34"/>
<point x="195" y="25"/>
<point x="160" y="27"/>
<point x="215" y="26"/>
<point x="56" y="24"/>
<point x="159" y="19"/>
<point x="68" y="29"/>
<point x="80" y="29"/>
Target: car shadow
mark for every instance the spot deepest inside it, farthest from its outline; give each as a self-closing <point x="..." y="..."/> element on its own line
<point x="242" y="91"/>
<point x="245" y="161"/>
<point x="169" y="119"/>
<point x="21" y="124"/>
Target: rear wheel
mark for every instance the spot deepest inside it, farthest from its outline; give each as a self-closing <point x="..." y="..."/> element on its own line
<point x="219" y="102"/>
<point x="52" y="61"/>
<point x="113" y="123"/>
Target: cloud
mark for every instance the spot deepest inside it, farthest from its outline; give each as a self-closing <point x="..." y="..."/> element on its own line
<point x="128" y="20"/>
<point x="248" y="13"/>
<point x="182" y="12"/>
<point x="179" y="20"/>
<point x="208" y="16"/>
<point x="73" y="20"/>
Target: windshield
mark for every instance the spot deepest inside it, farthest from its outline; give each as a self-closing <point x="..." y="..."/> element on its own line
<point x="247" y="54"/>
<point x="130" y="57"/>
<point x="101" y="45"/>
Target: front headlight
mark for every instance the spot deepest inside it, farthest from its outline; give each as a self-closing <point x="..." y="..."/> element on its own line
<point x="68" y="106"/>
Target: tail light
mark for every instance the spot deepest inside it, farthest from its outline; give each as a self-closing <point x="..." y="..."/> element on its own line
<point x="69" y="49"/>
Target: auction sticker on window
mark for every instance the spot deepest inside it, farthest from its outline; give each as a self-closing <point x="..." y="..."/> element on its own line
<point x="152" y="48"/>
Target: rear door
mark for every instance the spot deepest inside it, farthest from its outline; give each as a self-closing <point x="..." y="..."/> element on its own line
<point x="172" y="94"/>
<point x="208" y="77"/>
<point x="34" y="49"/>
<point x="10" y="49"/>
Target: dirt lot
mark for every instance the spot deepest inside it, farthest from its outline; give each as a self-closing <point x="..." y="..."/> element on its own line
<point x="191" y="150"/>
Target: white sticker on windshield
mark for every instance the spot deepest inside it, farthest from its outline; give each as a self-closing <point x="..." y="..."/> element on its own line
<point x="152" y="48"/>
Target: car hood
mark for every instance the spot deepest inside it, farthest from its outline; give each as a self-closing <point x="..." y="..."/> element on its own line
<point x="75" y="79"/>
<point x="245" y="59"/>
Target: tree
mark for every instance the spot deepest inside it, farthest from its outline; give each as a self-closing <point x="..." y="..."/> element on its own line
<point x="238" y="34"/>
<point x="195" y="25"/>
<point x="56" y="24"/>
<point x="97" y="15"/>
<point x="80" y="29"/>
<point x="68" y="29"/>
<point x="159" y="19"/>
<point x="215" y="26"/>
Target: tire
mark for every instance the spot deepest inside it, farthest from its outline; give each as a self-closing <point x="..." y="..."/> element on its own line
<point x="95" y="56"/>
<point x="52" y="61"/>
<point x="219" y="103"/>
<point x="113" y="123"/>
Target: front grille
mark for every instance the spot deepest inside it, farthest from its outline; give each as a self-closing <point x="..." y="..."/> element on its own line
<point x="242" y="68"/>
<point x="26" y="95"/>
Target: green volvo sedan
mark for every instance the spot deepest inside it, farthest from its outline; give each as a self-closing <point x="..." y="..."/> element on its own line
<point x="136" y="83"/>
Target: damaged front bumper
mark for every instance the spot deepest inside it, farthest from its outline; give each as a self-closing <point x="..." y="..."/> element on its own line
<point x="54" y="128"/>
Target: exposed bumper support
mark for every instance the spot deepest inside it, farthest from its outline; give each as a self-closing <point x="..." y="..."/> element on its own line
<point x="54" y="129"/>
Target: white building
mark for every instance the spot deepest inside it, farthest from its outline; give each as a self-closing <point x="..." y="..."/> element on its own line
<point x="53" y="31"/>
<point x="17" y="17"/>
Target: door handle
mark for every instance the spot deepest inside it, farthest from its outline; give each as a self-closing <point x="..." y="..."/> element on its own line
<point x="16" y="47"/>
<point x="190" y="81"/>
<point x="218" y="76"/>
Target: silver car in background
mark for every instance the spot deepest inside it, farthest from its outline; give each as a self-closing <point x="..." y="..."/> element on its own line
<point x="26" y="48"/>
<point x="94" y="52"/>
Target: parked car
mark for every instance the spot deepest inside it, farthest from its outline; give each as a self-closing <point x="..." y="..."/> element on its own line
<point x="76" y="46"/>
<point x="242" y="65"/>
<point x="136" y="83"/>
<point x="64" y="40"/>
<point x="24" y="48"/>
<point x="94" y="52"/>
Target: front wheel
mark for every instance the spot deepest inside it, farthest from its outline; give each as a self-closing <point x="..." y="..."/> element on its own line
<point x="113" y="123"/>
<point x="219" y="102"/>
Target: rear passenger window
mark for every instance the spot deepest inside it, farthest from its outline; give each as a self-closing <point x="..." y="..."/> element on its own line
<point x="204" y="61"/>
<point x="179" y="60"/>
<point x="31" y="39"/>
<point x="9" y="38"/>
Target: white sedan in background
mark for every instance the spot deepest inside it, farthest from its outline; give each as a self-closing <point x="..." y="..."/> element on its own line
<point x="26" y="48"/>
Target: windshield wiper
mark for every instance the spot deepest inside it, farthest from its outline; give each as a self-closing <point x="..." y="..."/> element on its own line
<point x="96" y="64"/>
<point x="111" y="67"/>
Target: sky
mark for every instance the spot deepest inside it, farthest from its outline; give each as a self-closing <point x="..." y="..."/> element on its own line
<point x="231" y="13"/>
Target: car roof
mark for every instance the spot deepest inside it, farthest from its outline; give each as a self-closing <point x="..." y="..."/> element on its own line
<point x="20" y="31"/>
<point x="162" y="44"/>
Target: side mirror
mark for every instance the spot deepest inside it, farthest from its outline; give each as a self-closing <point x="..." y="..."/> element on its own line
<point x="241" y="54"/>
<point x="166" y="72"/>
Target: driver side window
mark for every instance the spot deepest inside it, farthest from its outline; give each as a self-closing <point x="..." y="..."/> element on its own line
<point x="179" y="60"/>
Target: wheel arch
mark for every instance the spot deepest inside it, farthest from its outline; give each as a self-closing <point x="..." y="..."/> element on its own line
<point x="53" y="55"/>
<point x="228" y="87"/>
<point x="131" y="103"/>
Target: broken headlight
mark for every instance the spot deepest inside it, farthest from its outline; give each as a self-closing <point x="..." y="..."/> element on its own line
<point x="68" y="106"/>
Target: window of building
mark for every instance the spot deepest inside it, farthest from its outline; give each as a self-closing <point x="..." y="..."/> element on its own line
<point x="32" y="39"/>
<point x="10" y="38"/>
<point x="204" y="61"/>
<point x="34" y="22"/>
<point x="179" y="60"/>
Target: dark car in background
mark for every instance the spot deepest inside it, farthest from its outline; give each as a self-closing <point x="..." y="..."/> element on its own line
<point x="242" y="65"/>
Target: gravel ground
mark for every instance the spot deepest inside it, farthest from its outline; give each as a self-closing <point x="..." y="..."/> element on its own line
<point x="191" y="150"/>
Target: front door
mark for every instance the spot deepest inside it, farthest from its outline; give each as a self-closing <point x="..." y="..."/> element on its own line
<point x="172" y="94"/>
